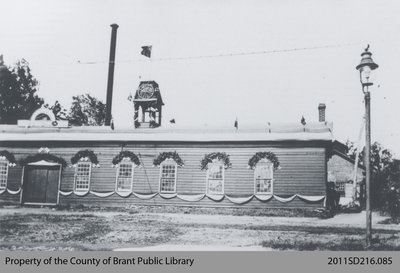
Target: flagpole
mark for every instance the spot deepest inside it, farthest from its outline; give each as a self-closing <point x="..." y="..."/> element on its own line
<point x="146" y="51"/>
<point x="151" y="67"/>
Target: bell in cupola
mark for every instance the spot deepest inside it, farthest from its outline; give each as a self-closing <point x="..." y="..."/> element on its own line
<point x="147" y="104"/>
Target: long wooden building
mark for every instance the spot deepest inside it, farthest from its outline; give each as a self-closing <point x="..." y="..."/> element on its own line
<point x="45" y="162"/>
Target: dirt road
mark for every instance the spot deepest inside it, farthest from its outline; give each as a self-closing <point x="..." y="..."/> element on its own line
<point x="47" y="229"/>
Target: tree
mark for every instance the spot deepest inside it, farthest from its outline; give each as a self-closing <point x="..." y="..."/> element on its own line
<point x="383" y="174"/>
<point x="87" y="110"/>
<point x="58" y="111"/>
<point x="392" y="191"/>
<point x="18" y="87"/>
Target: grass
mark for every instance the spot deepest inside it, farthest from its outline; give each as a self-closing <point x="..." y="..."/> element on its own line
<point x="270" y="212"/>
<point x="80" y="232"/>
<point x="341" y="244"/>
<point x="49" y="227"/>
<point x="79" y="229"/>
<point x="391" y="221"/>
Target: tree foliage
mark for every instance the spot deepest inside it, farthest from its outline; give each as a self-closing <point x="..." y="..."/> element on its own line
<point x="87" y="110"/>
<point x="58" y="111"/>
<point x="385" y="180"/>
<point x="18" y="98"/>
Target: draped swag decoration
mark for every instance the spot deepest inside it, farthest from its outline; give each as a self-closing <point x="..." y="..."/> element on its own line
<point x="45" y="157"/>
<point x="261" y="155"/>
<point x="9" y="156"/>
<point x="85" y="155"/>
<point x="168" y="155"/>
<point x="126" y="154"/>
<point x="199" y="197"/>
<point x="215" y="156"/>
<point x="10" y="191"/>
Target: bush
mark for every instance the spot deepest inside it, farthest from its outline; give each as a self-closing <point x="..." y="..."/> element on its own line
<point x="391" y="192"/>
<point x="392" y="205"/>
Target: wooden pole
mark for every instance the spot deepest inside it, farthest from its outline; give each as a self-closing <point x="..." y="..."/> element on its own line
<point x="111" y="65"/>
<point x="368" y="165"/>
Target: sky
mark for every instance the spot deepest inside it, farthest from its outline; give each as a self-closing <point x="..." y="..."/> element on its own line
<point x="310" y="51"/>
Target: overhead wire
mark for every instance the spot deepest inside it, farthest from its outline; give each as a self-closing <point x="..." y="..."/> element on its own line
<point x="223" y="55"/>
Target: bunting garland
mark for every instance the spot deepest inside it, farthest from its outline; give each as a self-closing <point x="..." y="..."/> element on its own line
<point x="239" y="200"/>
<point x="194" y="197"/>
<point x="123" y="193"/>
<point x="191" y="197"/>
<point x="14" y="192"/>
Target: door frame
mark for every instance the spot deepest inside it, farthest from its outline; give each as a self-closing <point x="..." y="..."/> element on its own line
<point x="41" y="163"/>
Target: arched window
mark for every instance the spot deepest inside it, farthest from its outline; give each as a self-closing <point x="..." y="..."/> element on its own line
<point x="168" y="163"/>
<point x="83" y="170"/>
<point x="263" y="177"/>
<point x="215" y="177"/>
<point x="6" y="159"/>
<point x="42" y="116"/>
<point x="125" y="162"/>
<point x="3" y="173"/>
<point x="83" y="161"/>
<point x="168" y="172"/>
<point x="124" y="175"/>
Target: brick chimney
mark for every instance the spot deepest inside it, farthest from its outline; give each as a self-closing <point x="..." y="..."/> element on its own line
<point x="321" y="112"/>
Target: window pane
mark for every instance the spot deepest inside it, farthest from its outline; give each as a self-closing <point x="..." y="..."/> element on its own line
<point x="124" y="180"/>
<point x="263" y="185"/>
<point x="82" y="176"/>
<point x="264" y="171"/>
<point x="3" y="174"/>
<point x="215" y="171"/>
<point x="215" y="186"/>
<point x="215" y="178"/>
<point x="167" y="180"/>
<point x="263" y="178"/>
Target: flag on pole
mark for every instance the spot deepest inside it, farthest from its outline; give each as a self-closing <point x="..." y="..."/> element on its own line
<point x="146" y="51"/>
<point x="303" y="120"/>
<point x="112" y="123"/>
<point x="236" y="124"/>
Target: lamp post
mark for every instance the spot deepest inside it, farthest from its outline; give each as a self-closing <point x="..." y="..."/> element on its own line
<point x="365" y="67"/>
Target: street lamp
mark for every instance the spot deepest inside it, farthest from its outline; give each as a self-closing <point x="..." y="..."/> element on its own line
<point x="365" y="67"/>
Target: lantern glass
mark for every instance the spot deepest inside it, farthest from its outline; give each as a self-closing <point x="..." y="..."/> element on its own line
<point x="366" y="75"/>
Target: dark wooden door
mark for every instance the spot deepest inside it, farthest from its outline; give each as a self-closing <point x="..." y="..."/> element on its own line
<point x="41" y="184"/>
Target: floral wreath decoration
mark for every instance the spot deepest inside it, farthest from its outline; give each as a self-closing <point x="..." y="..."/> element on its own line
<point x="208" y="158"/>
<point x="168" y="155"/>
<point x="264" y="155"/>
<point x="125" y="155"/>
<point x="45" y="157"/>
<point x="9" y="157"/>
<point x="85" y="155"/>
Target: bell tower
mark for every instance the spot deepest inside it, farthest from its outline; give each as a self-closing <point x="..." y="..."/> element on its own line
<point x="147" y="103"/>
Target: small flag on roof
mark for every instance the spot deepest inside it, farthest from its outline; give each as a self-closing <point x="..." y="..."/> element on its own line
<point x="146" y="51"/>
<point x="303" y="120"/>
<point x="172" y="121"/>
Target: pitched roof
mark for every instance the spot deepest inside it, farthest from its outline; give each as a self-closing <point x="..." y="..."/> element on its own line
<point x="270" y="132"/>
